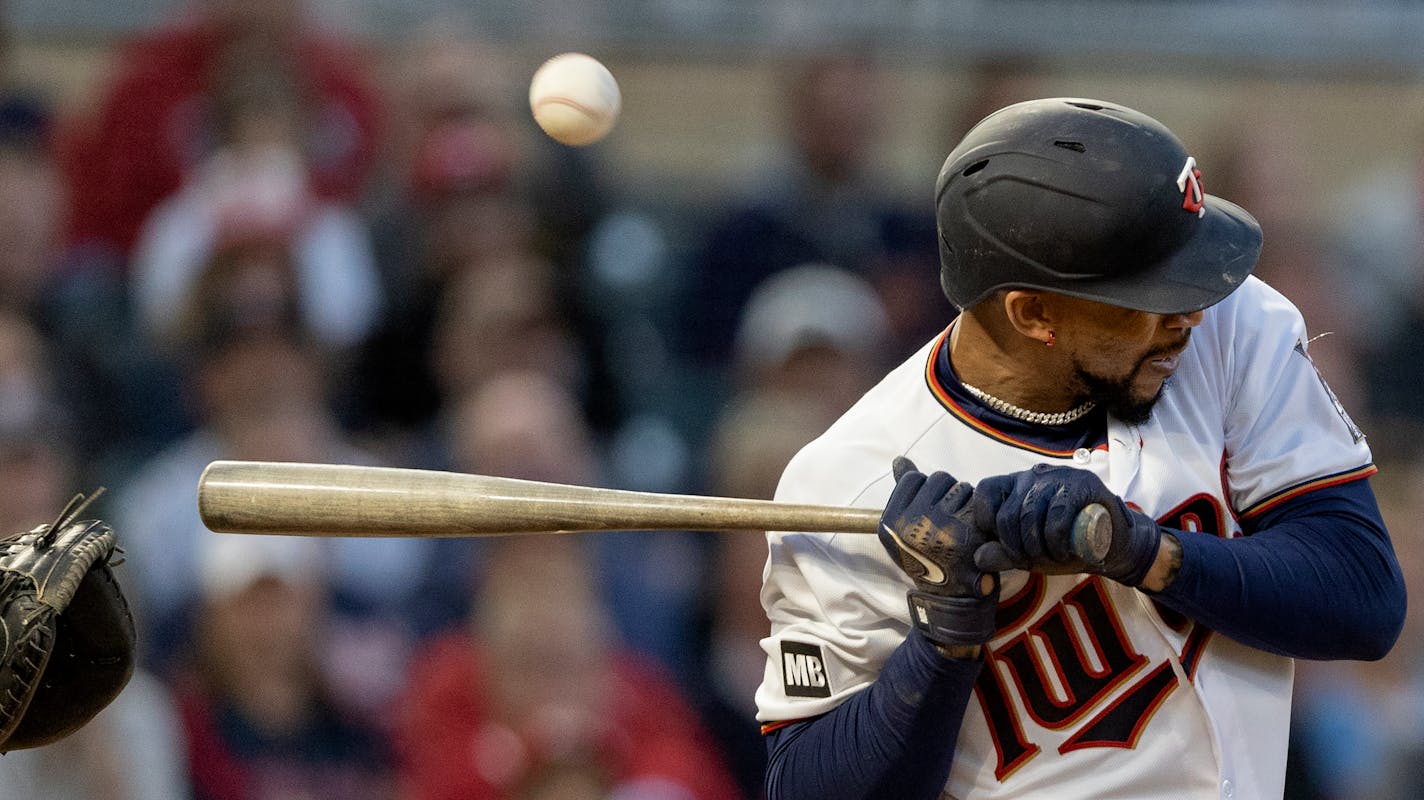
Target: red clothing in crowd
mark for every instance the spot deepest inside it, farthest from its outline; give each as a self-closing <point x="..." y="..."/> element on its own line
<point x="326" y="758"/>
<point x="451" y="749"/>
<point x="155" y="123"/>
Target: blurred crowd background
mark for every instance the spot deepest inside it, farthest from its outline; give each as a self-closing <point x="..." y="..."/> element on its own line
<point x="327" y="230"/>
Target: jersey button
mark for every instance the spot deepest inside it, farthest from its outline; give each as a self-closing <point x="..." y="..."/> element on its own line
<point x="1082" y="455"/>
<point x="1228" y="789"/>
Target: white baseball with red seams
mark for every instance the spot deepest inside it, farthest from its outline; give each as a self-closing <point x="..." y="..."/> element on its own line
<point x="575" y="99"/>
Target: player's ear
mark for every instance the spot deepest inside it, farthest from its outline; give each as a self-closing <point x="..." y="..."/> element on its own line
<point x="1030" y="313"/>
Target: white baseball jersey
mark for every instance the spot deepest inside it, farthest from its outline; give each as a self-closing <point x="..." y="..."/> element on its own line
<point x="1090" y="689"/>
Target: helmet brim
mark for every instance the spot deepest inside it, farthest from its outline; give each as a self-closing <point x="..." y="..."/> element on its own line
<point x="1200" y="273"/>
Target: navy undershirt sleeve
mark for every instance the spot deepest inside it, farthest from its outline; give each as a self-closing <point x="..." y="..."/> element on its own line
<point x="1315" y="577"/>
<point x="895" y="738"/>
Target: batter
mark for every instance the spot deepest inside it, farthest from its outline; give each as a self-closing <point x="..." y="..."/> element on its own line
<point x="1112" y="348"/>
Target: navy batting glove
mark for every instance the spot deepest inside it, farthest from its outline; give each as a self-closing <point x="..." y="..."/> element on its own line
<point x="1031" y="514"/>
<point x="929" y="531"/>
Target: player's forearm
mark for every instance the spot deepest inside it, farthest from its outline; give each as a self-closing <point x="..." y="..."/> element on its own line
<point x="894" y="739"/>
<point x="1318" y="580"/>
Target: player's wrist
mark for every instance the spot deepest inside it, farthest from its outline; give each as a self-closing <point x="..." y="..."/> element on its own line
<point x="960" y="652"/>
<point x="1136" y="546"/>
<point x="953" y="621"/>
<point x="1167" y="564"/>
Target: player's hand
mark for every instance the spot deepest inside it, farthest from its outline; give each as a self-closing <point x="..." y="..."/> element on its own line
<point x="928" y="529"/>
<point x="1031" y="515"/>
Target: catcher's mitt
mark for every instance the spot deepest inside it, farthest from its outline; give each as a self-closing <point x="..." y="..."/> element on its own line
<point x="68" y="637"/>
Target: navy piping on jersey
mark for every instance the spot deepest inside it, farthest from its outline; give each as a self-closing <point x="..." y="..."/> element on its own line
<point x="1305" y="487"/>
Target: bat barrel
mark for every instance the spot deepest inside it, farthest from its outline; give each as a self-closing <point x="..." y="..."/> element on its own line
<point x="340" y="500"/>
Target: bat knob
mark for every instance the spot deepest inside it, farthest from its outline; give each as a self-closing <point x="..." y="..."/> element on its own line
<point x="1092" y="533"/>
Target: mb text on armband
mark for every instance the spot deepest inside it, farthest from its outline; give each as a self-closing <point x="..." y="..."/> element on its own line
<point x="803" y="670"/>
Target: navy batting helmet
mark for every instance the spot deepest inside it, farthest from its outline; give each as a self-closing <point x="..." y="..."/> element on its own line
<point x="1088" y="199"/>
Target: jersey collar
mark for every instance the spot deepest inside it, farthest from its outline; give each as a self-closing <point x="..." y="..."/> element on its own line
<point x="1058" y="441"/>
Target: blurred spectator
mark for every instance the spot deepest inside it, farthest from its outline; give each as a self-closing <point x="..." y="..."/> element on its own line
<point x="470" y="208"/>
<point x="1358" y="727"/>
<point x="525" y="423"/>
<point x="469" y="180"/>
<point x="537" y="700"/>
<point x="155" y="123"/>
<point x="504" y="315"/>
<point x="461" y="211"/>
<point x="995" y="80"/>
<point x="260" y="721"/>
<point x="254" y="189"/>
<point x="29" y="231"/>
<point x="34" y="444"/>
<point x="499" y="312"/>
<point x="442" y="73"/>
<point x="518" y="424"/>
<point x="906" y="276"/>
<point x="814" y="331"/>
<point x="811" y="340"/>
<point x="756" y="435"/>
<point x="1262" y="164"/>
<point x="397" y="388"/>
<point x="453" y="161"/>
<point x="133" y="749"/>
<point x="119" y="394"/>
<point x="449" y="196"/>
<point x="258" y="391"/>
<point x="1378" y="257"/>
<point x="820" y="204"/>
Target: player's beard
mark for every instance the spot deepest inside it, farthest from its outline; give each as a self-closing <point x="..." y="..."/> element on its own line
<point x="1116" y="395"/>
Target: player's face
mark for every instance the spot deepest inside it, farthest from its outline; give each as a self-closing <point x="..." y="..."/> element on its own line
<point x="1122" y="358"/>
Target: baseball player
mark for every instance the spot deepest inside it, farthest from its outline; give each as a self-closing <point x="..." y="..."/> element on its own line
<point x="1112" y="350"/>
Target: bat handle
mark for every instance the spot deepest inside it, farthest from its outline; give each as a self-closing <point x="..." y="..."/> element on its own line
<point x="1092" y="533"/>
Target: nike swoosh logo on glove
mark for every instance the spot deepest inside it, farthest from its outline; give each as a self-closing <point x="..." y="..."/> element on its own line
<point x="934" y="574"/>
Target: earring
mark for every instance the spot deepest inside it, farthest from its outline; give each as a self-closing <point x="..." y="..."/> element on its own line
<point x="1050" y="341"/>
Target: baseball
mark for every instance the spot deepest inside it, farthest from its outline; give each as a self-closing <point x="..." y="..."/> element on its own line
<point x="574" y="99"/>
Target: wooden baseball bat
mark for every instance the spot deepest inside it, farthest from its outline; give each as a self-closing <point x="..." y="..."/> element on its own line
<point x="339" y="500"/>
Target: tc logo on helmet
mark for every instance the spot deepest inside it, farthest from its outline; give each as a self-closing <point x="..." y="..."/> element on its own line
<point x="1190" y="183"/>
